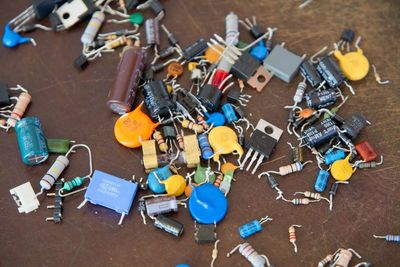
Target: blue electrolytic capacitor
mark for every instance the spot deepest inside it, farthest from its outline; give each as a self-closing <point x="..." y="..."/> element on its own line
<point x="31" y="141"/>
<point x="229" y="112"/>
<point x="206" y="151"/>
<point x="333" y="156"/>
<point x="252" y="227"/>
<point x="321" y="181"/>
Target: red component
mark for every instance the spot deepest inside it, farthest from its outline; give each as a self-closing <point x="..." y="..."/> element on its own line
<point x="218" y="77"/>
<point x="366" y="151"/>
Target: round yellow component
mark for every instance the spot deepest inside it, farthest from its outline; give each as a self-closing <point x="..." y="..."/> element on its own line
<point x="342" y="170"/>
<point x="175" y="69"/>
<point x="355" y="65"/>
<point x="192" y="65"/>
<point x="228" y="167"/>
<point x="169" y="88"/>
<point x="211" y="55"/>
<point x="224" y="140"/>
<point x="175" y="185"/>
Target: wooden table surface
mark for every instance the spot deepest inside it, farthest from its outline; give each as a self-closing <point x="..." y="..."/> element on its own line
<point x="71" y="104"/>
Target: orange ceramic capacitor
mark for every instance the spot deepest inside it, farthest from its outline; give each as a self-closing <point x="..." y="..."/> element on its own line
<point x="305" y="113"/>
<point x="175" y="69"/>
<point x="366" y="151"/>
<point x="133" y="127"/>
<point x="189" y="189"/>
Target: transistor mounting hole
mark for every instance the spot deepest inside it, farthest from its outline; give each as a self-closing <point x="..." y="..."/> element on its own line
<point x="261" y="78"/>
<point x="65" y="15"/>
<point x="268" y="130"/>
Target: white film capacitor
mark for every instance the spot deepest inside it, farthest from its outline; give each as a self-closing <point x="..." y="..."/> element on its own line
<point x="232" y="29"/>
<point x="93" y="27"/>
<point x="54" y="172"/>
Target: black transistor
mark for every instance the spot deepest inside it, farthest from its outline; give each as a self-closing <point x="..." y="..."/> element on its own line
<point x="354" y="125"/>
<point x="210" y="97"/>
<point x="4" y="95"/>
<point x="249" y="69"/>
<point x="195" y="49"/>
<point x="261" y="144"/>
<point x="205" y="233"/>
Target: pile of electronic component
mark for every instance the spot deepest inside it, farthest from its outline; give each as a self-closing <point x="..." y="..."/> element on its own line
<point x="197" y="127"/>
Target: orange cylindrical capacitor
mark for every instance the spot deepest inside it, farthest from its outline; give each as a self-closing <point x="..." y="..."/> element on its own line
<point x="130" y="68"/>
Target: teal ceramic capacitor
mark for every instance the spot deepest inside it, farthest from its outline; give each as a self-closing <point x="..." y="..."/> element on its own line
<point x="31" y="141"/>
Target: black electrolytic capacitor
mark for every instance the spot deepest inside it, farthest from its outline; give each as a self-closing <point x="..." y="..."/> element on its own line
<point x="330" y="71"/>
<point x="210" y="97"/>
<point x="169" y="225"/>
<point x="157" y="100"/>
<point x="321" y="99"/>
<point x="354" y="125"/>
<point x="319" y="134"/>
<point x="4" y="95"/>
<point x="308" y="70"/>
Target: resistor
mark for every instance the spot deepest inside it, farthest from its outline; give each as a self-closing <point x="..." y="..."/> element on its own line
<point x="214" y="254"/>
<point x="325" y="260"/>
<point x="202" y="122"/>
<point x="218" y="180"/>
<point x="192" y="126"/>
<point x="229" y="113"/>
<point x="160" y="141"/>
<point x="298" y="96"/>
<point x="251" y="255"/>
<point x="92" y="28"/>
<point x="152" y="32"/>
<point x="19" y="109"/>
<point x="371" y="164"/>
<point x="54" y="172"/>
<point x="291" y="168"/>
<point x="179" y="139"/>
<point x="312" y="195"/>
<point x="292" y="236"/>
<point x="343" y="257"/>
<point x="389" y="238"/>
<point x="232" y="29"/>
<point x="114" y="44"/>
<point x="206" y="151"/>
<point x="300" y="201"/>
<point x="252" y="227"/>
<point x="69" y="185"/>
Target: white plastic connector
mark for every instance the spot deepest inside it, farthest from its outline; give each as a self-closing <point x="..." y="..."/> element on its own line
<point x="25" y="198"/>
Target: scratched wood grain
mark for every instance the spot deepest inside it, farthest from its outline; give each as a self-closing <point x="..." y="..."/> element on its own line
<point x="71" y="104"/>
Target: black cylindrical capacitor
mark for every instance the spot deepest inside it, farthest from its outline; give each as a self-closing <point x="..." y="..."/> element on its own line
<point x="354" y="125"/>
<point x="169" y="225"/>
<point x="272" y="181"/>
<point x="152" y="32"/>
<point x="210" y="97"/>
<point x="313" y="119"/>
<point x="321" y="99"/>
<point x="308" y="70"/>
<point x="330" y="71"/>
<point x="157" y="100"/>
<point x="319" y="134"/>
<point x="130" y="68"/>
<point x="166" y="52"/>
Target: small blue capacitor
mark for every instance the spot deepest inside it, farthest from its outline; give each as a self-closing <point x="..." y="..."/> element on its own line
<point x="259" y="51"/>
<point x="11" y="38"/>
<point x="333" y="156"/>
<point x="252" y="227"/>
<point x="162" y="174"/>
<point x="215" y="119"/>
<point x="229" y="113"/>
<point x="321" y="181"/>
<point x="206" y="151"/>
<point x="31" y="141"/>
